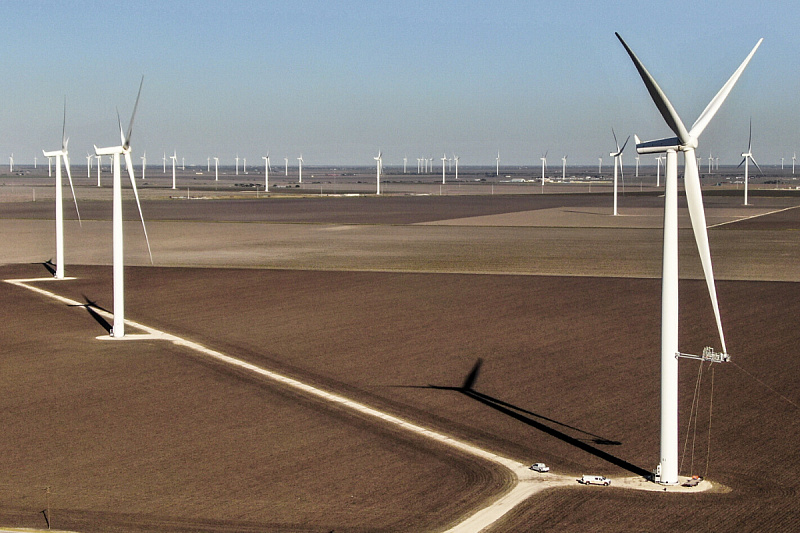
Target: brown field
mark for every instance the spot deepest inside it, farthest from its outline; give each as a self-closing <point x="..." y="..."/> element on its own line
<point x="144" y="436"/>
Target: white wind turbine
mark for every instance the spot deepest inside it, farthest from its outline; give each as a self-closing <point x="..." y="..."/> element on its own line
<point x="216" y="169"/>
<point x="286" y="166"/>
<point x="498" y="162"/>
<point x="237" y="164"/>
<point x="794" y="157"/>
<point x="300" y="168"/>
<point x="444" y="167"/>
<point x="36" y="161"/>
<point x="49" y="167"/>
<point x="405" y="162"/>
<point x="11" y="163"/>
<point x="710" y="162"/>
<point x="658" y="170"/>
<point x="746" y="158"/>
<point x="266" y="171"/>
<point x="617" y="163"/>
<point x="208" y="164"/>
<point x="99" y="164"/>
<point x="600" y="165"/>
<point x="144" y="163"/>
<point x="89" y="165"/>
<point x="164" y="162"/>
<point x="685" y="141"/>
<point x="379" y="164"/>
<point x="455" y="157"/>
<point x="174" y="158"/>
<point x="118" y="330"/>
<point x="544" y="166"/>
<point x="563" y="168"/>
<point x="58" y="155"/>
<point x="637" y="165"/>
<point x="244" y="165"/>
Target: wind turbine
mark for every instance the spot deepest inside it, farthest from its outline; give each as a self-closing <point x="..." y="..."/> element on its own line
<point x="617" y="163"/>
<point x="11" y="163"/>
<point x="118" y="330"/>
<point x="144" y="163"/>
<point x="746" y="158"/>
<point x="58" y="155"/>
<point x="498" y="162"/>
<point x="216" y="169"/>
<point x="637" y="165"/>
<point x="266" y="171"/>
<point x="782" y="158"/>
<point x="36" y="162"/>
<point x="286" y="167"/>
<point x="658" y="170"/>
<point x="794" y="157"/>
<point x="544" y="166"/>
<point x="685" y="141"/>
<point x="379" y="163"/>
<point x="88" y="165"/>
<point x="710" y="162"/>
<point x="300" y="168"/>
<point x="405" y="161"/>
<point x="244" y="165"/>
<point x="237" y="164"/>
<point x="174" y="158"/>
<point x="563" y="168"/>
<point x="208" y="164"/>
<point x="99" y="164"/>
<point x="444" y="167"/>
<point x="600" y="165"/>
<point x="49" y="167"/>
<point x="164" y="162"/>
<point x="455" y="157"/>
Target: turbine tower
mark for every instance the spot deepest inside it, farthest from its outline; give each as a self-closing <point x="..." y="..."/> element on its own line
<point x="685" y="141"/>
<point x="144" y="163"/>
<point x="746" y="158"/>
<point x="237" y="164"/>
<point x="118" y="330"/>
<point x="216" y="169"/>
<point x="174" y="158"/>
<point x="266" y="171"/>
<point x="405" y="162"/>
<point x="88" y="165"/>
<point x="300" y="168"/>
<point x="544" y="166"/>
<point x="58" y="155"/>
<point x="99" y="164"/>
<point x="444" y="167"/>
<point x="164" y="162"/>
<point x="617" y="163"/>
<point x="286" y="167"/>
<point x="600" y="165"/>
<point x="498" y="162"/>
<point x="379" y="164"/>
<point x="455" y="157"/>
<point x="563" y="168"/>
<point x="794" y="158"/>
<point x="11" y="163"/>
<point x="637" y="165"/>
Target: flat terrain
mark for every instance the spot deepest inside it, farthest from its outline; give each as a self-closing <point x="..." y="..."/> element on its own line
<point x="379" y="300"/>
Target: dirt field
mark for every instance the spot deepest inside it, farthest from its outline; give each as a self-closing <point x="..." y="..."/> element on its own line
<point x="139" y="437"/>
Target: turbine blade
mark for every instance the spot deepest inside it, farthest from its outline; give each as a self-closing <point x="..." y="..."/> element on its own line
<point x="756" y="164"/>
<point x="64" y="127"/>
<point x="625" y="144"/>
<point x="129" y="166"/>
<point x="127" y="140"/>
<point x="616" y="142"/>
<point x="714" y="105"/>
<point x="694" y="199"/>
<point x="750" y="137"/>
<point x="659" y="98"/>
<point x="742" y="162"/>
<point x="69" y="178"/>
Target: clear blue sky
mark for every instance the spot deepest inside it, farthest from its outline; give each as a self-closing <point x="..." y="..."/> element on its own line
<point x="338" y="80"/>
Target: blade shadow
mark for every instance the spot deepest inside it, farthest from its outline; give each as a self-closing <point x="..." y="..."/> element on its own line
<point x="539" y="422"/>
<point x="90" y="307"/>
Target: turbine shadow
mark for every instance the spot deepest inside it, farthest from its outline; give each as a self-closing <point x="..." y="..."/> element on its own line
<point x="541" y="423"/>
<point x="50" y="266"/>
<point x="90" y="307"/>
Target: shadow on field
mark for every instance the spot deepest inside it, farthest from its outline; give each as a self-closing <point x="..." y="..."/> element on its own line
<point x="50" y="266"/>
<point x="90" y="307"/>
<point x="541" y="422"/>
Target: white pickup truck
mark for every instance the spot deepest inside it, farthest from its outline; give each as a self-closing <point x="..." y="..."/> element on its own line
<point x="540" y="467"/>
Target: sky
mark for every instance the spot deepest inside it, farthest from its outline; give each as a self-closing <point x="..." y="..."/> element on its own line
<point x="336" y="81"/>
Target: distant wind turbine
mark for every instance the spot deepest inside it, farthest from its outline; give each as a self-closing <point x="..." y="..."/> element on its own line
<point x="637" y="165"/>
<point x="164" y="161"/>
<point x="216" y="169"/>
<point x="687" y="142"/>
<point x="144" y="163"/>
<point x="59" y="155"/>
<point x="379" y="164"/>
<point x="444" y="167"/>
<point x="405" y="161"/>
<point x="617" y="163"/>
<point x="174" y="158"/>
<point x="266" y="171"/>
<point x="89" y="165"/>
<point x="563" y="168"/>
<point x="746" y="158"/>
<point x="237" y="164"/>
<point x="498" y="162"/>
<point x="286" y="167"/>
<point x="99" y="164"/>
<point x="124" y="150"/>
<point x="455" y="157"/>
<point x="300" y="168"/>
<point x="544" y="167"/>
<point x="600" y="165"/>
<point x="11" y="163"/>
